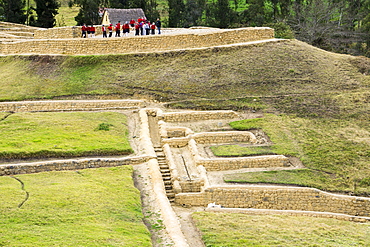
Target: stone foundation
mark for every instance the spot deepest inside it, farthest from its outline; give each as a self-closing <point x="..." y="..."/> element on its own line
<point x="63" y="165"/>
<point x="81" y="46"/>
<point x="69" y="105"/>
<point x="279" y="198"/>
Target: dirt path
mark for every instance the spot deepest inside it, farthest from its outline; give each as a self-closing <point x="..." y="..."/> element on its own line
<point x="188" y="227"/>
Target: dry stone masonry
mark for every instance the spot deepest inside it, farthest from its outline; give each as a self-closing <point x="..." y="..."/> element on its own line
<point x="193" y="188"/>
<point x="280" y="198"/>
<point x="63" y="165"/>
<point x="55" y="44"/>
<point x="69" y="105"/>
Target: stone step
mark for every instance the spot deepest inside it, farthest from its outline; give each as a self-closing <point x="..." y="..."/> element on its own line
<point x="168" y="182"/>
<point x="164" y="166"/>
<point x="168" y="187"/>
<point x="170" y="195"/>
<point x="166" y="178"/>
<point x="24" y="34"/>
<point x="165" y="170"/>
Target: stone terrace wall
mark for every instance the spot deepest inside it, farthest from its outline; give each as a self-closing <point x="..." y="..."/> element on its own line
<point x="224" y="137"/>
<point x="63" y="32"/>
<point x="197" y="116"/>
<point x="62" y="165"/>
<point x="69" y="105"/>
<point x="136" y="44"/>
<point x="222" y="164"/>
<point x="280" y="198"/>
<point x="16" y="25"/>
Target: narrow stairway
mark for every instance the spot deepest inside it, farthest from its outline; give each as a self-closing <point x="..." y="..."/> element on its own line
<point x="166" y="173"/>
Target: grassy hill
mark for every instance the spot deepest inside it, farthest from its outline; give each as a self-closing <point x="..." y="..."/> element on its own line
<point x="274" y="71"/>
<point x="317" y="100"/>
<point x="92" y="207"/>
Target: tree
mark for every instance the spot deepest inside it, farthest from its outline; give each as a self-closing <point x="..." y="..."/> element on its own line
<point x="151" y="11"/>
<point x="46" y="11"/>
<point x="175" y="13"/>
<point x="89" y="11"/>
<point x="14" y="10"/>
<point x="255" y="14"/>
<point x="120" y="4"/>
<point x="193" y="12"/>
<point x="314" y="21"/>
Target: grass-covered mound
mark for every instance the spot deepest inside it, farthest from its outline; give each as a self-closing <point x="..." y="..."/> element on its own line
<point x="236" y="230"/>
<point x="93" y="207"/>
<point x="63" y="134"/>
<point x="336" y="152"/>
<point x="264" y="70"/>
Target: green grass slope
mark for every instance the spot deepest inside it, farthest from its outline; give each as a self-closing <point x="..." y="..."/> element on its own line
<point x="63" y="134"/>
<point x="92" y="207"/>
<point x="235" y="230"/>
<point x="274" y="69"/>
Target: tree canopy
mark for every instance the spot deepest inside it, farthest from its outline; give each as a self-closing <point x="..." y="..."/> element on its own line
<point x="13" y="11"/>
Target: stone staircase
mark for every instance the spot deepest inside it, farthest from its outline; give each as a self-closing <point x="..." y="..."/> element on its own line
<point x="166" y="173"/>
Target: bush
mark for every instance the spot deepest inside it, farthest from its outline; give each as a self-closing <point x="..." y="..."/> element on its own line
<point x="282" y="30"/>
<point x="104" y="126"/>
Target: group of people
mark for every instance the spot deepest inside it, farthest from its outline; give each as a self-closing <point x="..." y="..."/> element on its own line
<point x="88" y="31"/>
<point x="141" y="27"/>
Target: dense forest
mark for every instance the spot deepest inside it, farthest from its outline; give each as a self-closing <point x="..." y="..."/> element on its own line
<point x="335" y="25"/>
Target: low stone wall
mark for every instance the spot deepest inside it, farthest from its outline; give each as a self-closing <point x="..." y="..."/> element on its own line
<point x="136" y="44"/>
<point x="62" y="32"/>
<point x="191" y="186"/>
<point x="17" y="26"/>
<point x="280" y="198"/>
<point x="222" y="164"/>
<point x="176" y="142"/>
<point x="224" y="137"/>
<point x="63" y="165"/>
<point x="69" y="105"/>
<point x="197" y="116"/>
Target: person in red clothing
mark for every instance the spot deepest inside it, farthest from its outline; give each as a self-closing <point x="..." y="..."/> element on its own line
<point x="104" y="31"/>
<point x="88" y="31"/>
<point x="152" y="27"/>
<point x="92" y="31"/>
<point x="137" y="29"/>
<point x="118" y="29"/>
<point x="126" y="28"/>
<point x="83" y="30"/>
<point x="110" y="30"/>
<point x="132" y="23"/>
